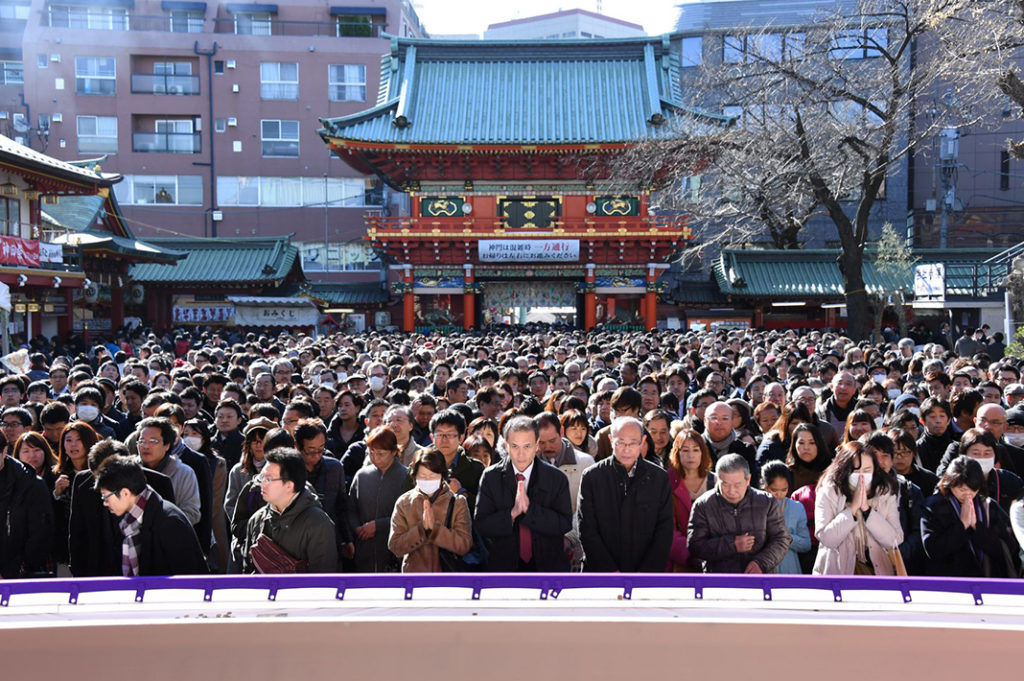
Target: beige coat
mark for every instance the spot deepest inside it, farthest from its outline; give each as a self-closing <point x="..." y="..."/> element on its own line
<point x="408" y="539"/>
<point x="836" y="528"/>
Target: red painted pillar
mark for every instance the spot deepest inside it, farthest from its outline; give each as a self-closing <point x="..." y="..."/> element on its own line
<point x="468" y="300"/>
<point x="408" y="301"/>
<point x="758" y="317"/>
<point x="651" y="300"/>
<point x="590" y="298"/>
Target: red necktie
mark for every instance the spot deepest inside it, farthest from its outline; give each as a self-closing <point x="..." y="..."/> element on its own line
<point x="525" y="538"/>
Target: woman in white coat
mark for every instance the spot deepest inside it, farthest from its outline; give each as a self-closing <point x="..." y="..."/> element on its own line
<point x="856" y="517"/>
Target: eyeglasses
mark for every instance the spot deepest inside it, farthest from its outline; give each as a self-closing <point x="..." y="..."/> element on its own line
<point x="150" y="441"/>
<point x="623" y="444"/>
<point x="446" y="436"/>
<point x="12" y="424"/>
<point x="105" y="497"/>
<point x="263" y="478"/>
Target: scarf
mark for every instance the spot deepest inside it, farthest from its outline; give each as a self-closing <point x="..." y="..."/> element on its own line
<point x="131" y="525"/>
<point x="722" y="447"/>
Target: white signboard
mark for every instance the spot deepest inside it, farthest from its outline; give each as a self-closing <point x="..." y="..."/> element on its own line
<point x="50" y="252"/>
<point x="276" y="315"/>
<point x="930" y="281"/>
<point x="529" y="250"/>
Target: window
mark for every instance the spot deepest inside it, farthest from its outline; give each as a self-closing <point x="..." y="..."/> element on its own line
<point x="17" y="12"/>
<point x="218" y="66"/>
<point x="692" y="51"/>
<point x="252" y="23"/>
<point x="280" y="138"/>
<point x="859" y="43"/>
<point x="774" y="47"/>
<point x="10" y="216"/>
<point x="95" y="76"/>
<point x="220" y="124"/>
<point x="346" y="82"/>
<point x="279" y="80"/>
<point x="186" y="21"/>
<point x="42" y="61"/>
<point x="176" y="136"/>
<point x="299" y="192"/>
<point x="357" y="26"/>
<point x="97" y="134"/>
<point x="12" y="72"/>
<point x="1004" y="170"/>
<point x="172" y="190"/>
<point x="89" y="17"/>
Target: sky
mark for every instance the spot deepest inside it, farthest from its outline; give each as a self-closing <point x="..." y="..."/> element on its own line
<point x="464" y="16"/>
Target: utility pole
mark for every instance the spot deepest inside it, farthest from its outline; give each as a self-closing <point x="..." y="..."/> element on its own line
<point x="209" y="54"/>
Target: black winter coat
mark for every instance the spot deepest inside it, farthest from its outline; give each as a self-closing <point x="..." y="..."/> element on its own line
<point x="167" y="544"/>
<point x="303" y="530"/>
<point x="26" y="521"/>
<point x="948" y="546"/>
<point x="625" y="525"/>
<point x="549" y="516"/>
<point x="94" y="539"/>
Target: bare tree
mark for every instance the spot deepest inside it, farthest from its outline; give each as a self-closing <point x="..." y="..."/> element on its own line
<point x="894" y="263"/>
<point x="824" y="114"/>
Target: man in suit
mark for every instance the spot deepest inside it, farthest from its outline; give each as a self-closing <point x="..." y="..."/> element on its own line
<point x="156" y="537"/>
<point x="523" y="508"/>
<point x="625" y="507"/>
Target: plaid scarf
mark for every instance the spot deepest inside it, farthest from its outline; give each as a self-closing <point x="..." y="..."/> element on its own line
<point x="131" y="525"/>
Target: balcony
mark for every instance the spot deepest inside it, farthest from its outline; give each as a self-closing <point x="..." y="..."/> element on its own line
<point x="659" y="227"/>
<point x="295" y="28"/>
<point x="124" y="22"/>
<point x="167" y="142"/>
<point x="160" y="84"/>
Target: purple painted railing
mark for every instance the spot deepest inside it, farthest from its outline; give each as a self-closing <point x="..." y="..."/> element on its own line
<point x="549" y="585"/>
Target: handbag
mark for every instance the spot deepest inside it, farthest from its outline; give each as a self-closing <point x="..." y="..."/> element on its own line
<point x="450" y="561"/>
<point x="896" y="558"/>
<point x="270" y="559"/>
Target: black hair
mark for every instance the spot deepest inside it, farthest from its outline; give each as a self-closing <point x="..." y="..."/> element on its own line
<point x="121" y="472"/>
<point x="775" y="469"/>
<point x="167" y="432"/>
<point x="293" y="467"/>
<point x="448" y="417"/>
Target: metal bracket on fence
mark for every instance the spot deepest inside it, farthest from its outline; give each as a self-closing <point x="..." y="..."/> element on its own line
<point x="207" y="592"/>
<point x="408" y="590"/>
<point x="698" y="592"/>
<point x="544" y="589"/>
<point x="766" y="590"/>
<point x="556" y="591"/>
<point x="905" y="591"/>
<point x="5" y="597"/>
<point x="272" y="591"/>
<point x="627" y="590"/>
<point x="976" y="592"/>
<point x="477" y="588"/>
<point x="140" y="594"/>
<point x="340" y="594"/>
<point x="73" y="596"/>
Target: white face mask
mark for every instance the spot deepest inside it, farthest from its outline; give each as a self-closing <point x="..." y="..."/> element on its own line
<point x="87" y="412"/>
<point x="916" y="411"/>
<point x="879" y="422"/>
<point x="193" y="442"/>
<point x="428" y="487"/>
<point x="342" y="377"/>
<point x="471" y="394"/>
<point x="893" y="393"/>
<point x="878" y="378"/>
<point x="855" y="480"/>
<point x="327" y="384"/>
<point x="987" y="464"/>
<point x="1015" y="439"/>
<point x="376" y="383"/>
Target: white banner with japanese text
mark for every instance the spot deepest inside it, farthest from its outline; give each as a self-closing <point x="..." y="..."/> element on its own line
<point x="529" y="250"/>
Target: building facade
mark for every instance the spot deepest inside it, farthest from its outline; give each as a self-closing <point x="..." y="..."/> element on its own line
<point x="513" y="209"/>
<point x="209" y="111"/>
<point x="563" y="25"/>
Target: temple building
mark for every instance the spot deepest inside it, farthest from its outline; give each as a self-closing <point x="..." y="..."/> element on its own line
<point x="506" y="149"/>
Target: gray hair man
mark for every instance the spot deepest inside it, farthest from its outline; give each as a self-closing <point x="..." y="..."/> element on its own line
<point x="734" y="527"/>
<point x="624" y="507"/>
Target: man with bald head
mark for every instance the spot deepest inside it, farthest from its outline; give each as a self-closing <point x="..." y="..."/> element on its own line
<point x="835" y="409"/>
<point x="624" y="507"/>
<point x="722" y="439"/>
<point x="991" y="417"/>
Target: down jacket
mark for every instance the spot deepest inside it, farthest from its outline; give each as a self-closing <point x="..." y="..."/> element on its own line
<point x="715" y="523"/>
<point x="835" y="528"/>
<point x="303" y="530"/>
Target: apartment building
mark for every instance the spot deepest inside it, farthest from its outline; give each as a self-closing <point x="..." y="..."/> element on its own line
<point x="563" y="25"/>
<point x="210" y="111"/>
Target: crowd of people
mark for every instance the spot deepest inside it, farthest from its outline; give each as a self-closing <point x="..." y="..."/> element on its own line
<point x="532" y="449"/>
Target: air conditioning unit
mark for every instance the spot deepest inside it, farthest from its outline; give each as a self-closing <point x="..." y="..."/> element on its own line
<point x="57" y="118"/>
<point x="230" y="63"/>
<point x="234" y="87"/>
<point x="233" y="122"/>
<point x="3" y="115"/>
<point x="55" y="58"/>
<point x="175" y="90"/>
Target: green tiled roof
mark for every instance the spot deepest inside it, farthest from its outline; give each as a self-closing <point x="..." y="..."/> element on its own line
<point x="77" y="213"/>
<point x="93" y="223"/>
<point x="222" y="261"/>
<point x="522" y="92"/>
<point x="340" y="293"/>
<point x="802" y="274"/>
